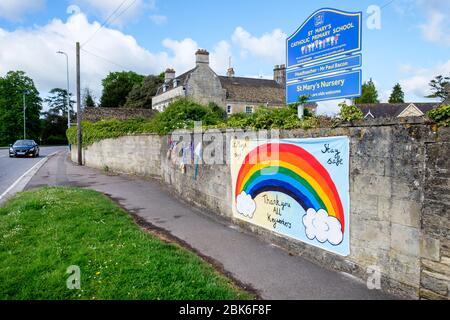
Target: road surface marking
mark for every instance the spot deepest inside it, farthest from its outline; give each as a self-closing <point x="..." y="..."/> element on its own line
<point x="25" y="174"/>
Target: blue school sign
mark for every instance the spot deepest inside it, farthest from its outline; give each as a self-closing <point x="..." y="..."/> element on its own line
<point x="340" y="64"/>
<point x="331" y="87"/>
<point x="325" y="34"/>
<point x="321" y="59"/>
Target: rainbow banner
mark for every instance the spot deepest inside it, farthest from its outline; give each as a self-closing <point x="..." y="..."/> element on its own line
<point x="298" y="188"/>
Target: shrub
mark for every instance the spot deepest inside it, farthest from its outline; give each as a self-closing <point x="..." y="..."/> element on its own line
<point x="350" y="113"/>
<point x="440" y="115"/>
<point x="182" y="114"/>
<point x="106" y="129"/>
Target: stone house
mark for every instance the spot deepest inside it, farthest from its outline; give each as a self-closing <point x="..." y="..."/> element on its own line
<point x="234" y="94"/>
<point x="395" y="110"/>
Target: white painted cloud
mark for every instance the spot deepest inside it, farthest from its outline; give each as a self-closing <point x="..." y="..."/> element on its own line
<point x="319" y="225"/>
<point x="245" y="205"/>
<point x="270" y="46"/>
<point x="416" y="81"/>
<point x="14" y="9"/>
<point x="34" y="50"/>
<point x="158" y="19"/>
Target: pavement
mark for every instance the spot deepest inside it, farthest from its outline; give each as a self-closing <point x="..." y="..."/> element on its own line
<point x="269" y="270"/>
<point x="12" y="169"/>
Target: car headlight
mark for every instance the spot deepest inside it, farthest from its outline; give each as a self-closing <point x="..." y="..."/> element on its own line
<point x="11" y="149"/>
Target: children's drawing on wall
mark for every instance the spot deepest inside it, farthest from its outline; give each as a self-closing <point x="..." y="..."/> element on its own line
<point x="184" y="154"/>
<point x="295" y="187"/>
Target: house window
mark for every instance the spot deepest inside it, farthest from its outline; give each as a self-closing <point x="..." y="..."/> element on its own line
<point x="175" y="83"/>
<point x="229" y="109"/>
<point x="164" y="88"/>
<point x="248" y="109"/>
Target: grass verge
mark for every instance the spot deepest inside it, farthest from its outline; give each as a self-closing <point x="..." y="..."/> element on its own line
<point x="43" y="232"/>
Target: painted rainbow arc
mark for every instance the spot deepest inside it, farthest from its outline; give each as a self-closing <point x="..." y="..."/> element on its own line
<point x="291" y="170"/>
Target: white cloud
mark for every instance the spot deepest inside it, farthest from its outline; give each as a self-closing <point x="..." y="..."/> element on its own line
<point x="319" y="225"/>
<point x="384" y="95"/>
<point x="330" y="107"/>
<point x="416" y="82"/>
<point x="159" y="19"/>
<point x="220" y="57"/>
<point x="15" y="9"/>
<point x="184" y="51"/>
<point x="34" y="50"/>
<point x="245" y="205"/>
<point x="184" y="55"/>
<point x="104" y="8"/>
<point x="270" y="46"/>
<point x="405" y="7"/>
<point x="436" y="30"/>
<point x="437" y="26"/>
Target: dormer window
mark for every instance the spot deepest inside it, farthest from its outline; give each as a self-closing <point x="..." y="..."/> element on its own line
<point x="175" y="83"/>
<point x="164" y="88"/>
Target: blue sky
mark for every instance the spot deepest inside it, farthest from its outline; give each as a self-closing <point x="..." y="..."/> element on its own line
<point x="412" y="46"/>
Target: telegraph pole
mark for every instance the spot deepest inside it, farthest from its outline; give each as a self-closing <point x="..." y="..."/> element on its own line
<point x="80" y="160"/>
<point x="24" y="117"/>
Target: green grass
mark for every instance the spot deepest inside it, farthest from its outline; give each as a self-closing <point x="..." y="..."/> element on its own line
<point x="45" y="231"/>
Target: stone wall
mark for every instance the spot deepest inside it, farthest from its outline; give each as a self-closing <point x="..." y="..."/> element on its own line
<point x="138" y="155"/>
<point x="400" y="198"/>
<point x="98" y="114"/>
<point x="435" y="220"/>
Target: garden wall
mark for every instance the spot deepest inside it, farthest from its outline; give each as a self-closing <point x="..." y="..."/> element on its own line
<point x="399" y="194"/>
<point x="98" y="114"/>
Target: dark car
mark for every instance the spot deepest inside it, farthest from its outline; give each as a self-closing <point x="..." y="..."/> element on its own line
<point x="24" y="148"/>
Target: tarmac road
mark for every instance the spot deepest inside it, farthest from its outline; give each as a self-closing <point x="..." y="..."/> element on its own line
<point x="12" y="169"/>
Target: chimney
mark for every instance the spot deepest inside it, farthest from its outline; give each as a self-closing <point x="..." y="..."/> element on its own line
<point x="279" y="74"/>
<point x="169" y="75"/>
<point x="230" y="72"/>
<point x="202" y="57"/>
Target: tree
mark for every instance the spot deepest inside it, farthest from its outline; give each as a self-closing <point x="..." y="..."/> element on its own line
<point x="54" y="128"/>
<point x="117" y="86"/>
<point x="88" y="99"/>
<point x="369" y="93"/>
<point x="13" y="86"/>
<point x="440" y="86"/>
<point x="57" y="101"/>
<point x="140" y="96"/>
<point x="54" y="122"/>
<point x="397" y="95"/>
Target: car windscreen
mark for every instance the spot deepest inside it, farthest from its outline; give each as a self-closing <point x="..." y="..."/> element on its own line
<point x="24" y="143"/>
